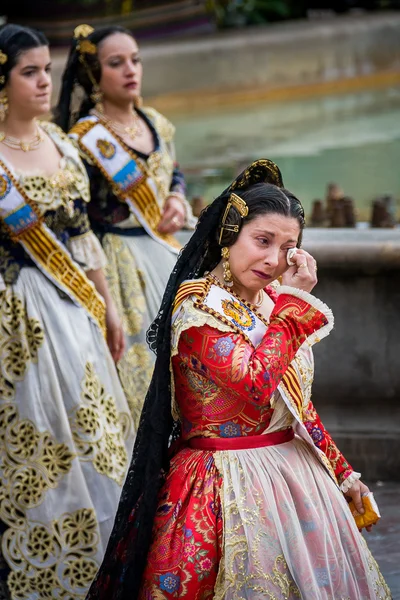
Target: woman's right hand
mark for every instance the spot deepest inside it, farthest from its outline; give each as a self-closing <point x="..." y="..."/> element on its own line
<point x="303" y="274"/>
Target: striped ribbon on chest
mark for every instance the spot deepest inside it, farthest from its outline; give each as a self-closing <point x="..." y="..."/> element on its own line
<point x="26" y="226"/>
<point x="291" y="382"/>
<point x="128" y="176"/>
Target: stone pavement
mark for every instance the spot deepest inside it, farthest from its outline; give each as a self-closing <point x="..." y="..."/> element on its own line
<point x="384" y="540"/>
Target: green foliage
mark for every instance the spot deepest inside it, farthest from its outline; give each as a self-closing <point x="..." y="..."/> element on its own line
<point x="236" y="13"/>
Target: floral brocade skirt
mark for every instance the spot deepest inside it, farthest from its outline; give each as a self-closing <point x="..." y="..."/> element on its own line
<point x="66" y="436"/>
<point x="137" y="272"/>
<point x="252" y="524"/>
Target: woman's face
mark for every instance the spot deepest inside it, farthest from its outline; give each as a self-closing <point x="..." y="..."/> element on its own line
<point x="259" y="254"/>
<point x="121" y="68"/>
<point x="29" y="84"/>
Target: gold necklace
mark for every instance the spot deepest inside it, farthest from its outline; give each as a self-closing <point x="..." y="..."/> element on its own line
<point x="260" y="299"/>
<point x="260" y="293"/>
<point x="130" y="130"/>
<point x="17" y="144"/>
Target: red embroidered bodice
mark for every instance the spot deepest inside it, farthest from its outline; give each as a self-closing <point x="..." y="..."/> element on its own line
<point x="224" y="385"/>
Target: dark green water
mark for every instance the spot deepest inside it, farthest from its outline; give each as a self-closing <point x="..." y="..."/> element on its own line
<point x="353" y="140"/>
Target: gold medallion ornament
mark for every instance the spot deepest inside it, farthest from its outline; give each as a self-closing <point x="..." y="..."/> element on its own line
<point x="240" y="315"/>
<point x="106" y="148"/>
<point x="5" y="186"/>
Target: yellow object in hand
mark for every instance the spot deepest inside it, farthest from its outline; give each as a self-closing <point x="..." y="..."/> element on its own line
<point x="371" y="514"/>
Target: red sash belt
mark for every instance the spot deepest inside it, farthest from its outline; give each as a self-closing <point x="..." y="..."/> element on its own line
<point x="242" y="443"/>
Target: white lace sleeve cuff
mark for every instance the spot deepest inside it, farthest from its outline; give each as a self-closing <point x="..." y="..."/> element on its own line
<point x="347" y="483"/>
<point x="87" y="251"/>
<point x="315" y="303"/>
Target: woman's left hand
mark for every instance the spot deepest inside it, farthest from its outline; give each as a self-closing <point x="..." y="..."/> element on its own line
<point x="173" y="217"/>
<point x="355" y="493"/>
<point x="115" y="333"/>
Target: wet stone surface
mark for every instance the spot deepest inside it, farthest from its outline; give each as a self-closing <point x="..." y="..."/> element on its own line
<point x="384" y="540"/>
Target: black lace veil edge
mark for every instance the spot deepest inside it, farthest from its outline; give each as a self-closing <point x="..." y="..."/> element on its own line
<point x="120" y="574"/>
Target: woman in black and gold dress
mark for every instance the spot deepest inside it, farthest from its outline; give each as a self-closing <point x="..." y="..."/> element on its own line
<point x="138" y="192"/>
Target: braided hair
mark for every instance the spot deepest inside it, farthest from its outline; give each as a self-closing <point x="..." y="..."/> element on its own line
<point x="119" y="577"/>
<point x="14" y="41"/>
<point x="85" y="74"/>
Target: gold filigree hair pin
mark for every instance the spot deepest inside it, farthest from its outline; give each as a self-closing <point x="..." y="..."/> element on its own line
<point x="84" y="46"/>
<point x="3" y="58"/>
<point x="241" y="207"/>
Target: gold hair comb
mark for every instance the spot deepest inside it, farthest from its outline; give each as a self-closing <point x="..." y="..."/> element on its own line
<point x="84" y="46"/>
<point x="242" y="209"/>
<point x="240" y="205"/>
<point x="3" y="58"/>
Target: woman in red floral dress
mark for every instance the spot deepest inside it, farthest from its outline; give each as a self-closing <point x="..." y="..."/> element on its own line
<point x="236" y="490"/>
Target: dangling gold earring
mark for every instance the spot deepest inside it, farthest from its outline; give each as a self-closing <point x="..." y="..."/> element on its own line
<point x="3" y="106"/>
<point x="228" y="279"/>
<point x="97" y="98"/>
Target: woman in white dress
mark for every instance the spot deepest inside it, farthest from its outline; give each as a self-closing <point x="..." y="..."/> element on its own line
<point x="65" y="427"/>
<point x="250" y="501"/>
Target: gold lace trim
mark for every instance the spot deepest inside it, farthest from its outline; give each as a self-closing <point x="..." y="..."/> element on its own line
<point x="32" y="462"/>
<point x="381" y="589"/>
<point x="236" y="550"/>
<point x="61" y="189"/>
<point x="62" y="268"/>
<point x="53" y="561"/>
<point x="99" y="430"/>
<point x="69" y="183"/>
<point x="42" y="557"/>
<point x="20" y="339"/>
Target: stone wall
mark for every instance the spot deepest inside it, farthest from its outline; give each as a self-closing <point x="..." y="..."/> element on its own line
<point x="357" y="376"/>
<point x="255" y="63"/>
<point x="278" y="56"/>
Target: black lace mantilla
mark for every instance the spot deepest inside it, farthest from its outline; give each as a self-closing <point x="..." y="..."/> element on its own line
<point x="119" y="577"/>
